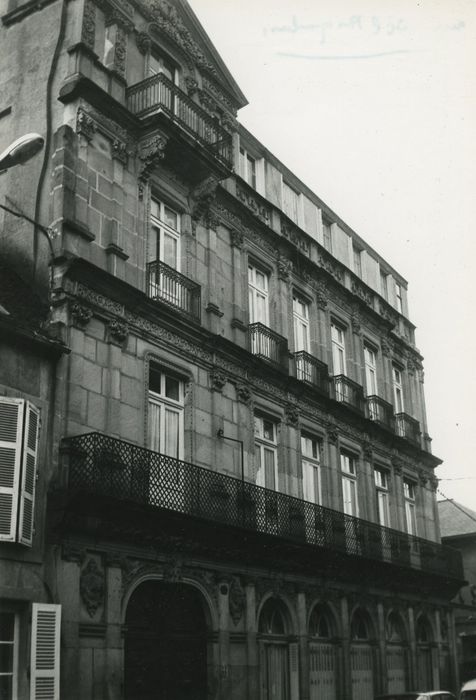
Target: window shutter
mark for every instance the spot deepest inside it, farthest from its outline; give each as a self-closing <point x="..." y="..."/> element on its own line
<point x="28" y="474"/>
<point x="45" y="651"/>
<point x="11" y="430"/>
<point x="294" y="670"/>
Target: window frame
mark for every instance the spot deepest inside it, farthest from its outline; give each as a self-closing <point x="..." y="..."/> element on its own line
<point x="409" y="497"/>
<point x="399" y="297"/>
<point x="397" y="389"/>
<point x="304" y="320"/>
<point x="263" y="444"/>
<point x="313" y="465"/>
<point x="371" y="373"/>
<point x="382" y="488"/>
<point x="14" y="643"/>
<point x="159" y="56"/>
<point x="255" y="291"/>
<point x="247" y="167"/>
<point x="338" y="347"/>
<point x="166" y="405"/>
<point x="160" y="228"/>
<point x="348" y="462"/>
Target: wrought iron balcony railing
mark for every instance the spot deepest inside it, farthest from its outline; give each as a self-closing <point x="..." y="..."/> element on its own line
<point x="268" y="345"/>
<point x="380" y="411"/>
<point x="407" y="427"/>
<point x="102" y="465"/>
<point x="158" y="93"/>
<point x="171" y="287"/>
<point x="348" y="392"/>
<point x="311" y="370"/>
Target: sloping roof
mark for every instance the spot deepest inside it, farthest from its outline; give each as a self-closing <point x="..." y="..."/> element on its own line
<point x="456" y="519"/>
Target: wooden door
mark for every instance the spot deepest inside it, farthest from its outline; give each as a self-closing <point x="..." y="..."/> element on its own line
<point x="322" y="667"/>
<point x="362" y="672"/>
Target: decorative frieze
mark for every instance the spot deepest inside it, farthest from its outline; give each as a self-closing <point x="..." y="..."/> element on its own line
<point x="118" y="331"/>
<point x="254" y="205"/>
<point x="89" y="121"/>
<point x="360" y="291"/>
<point x="150" y="153"/>
<point x="217" y="379"/>
<point x="236" y="599"/>
<point x="218" y="94"/>
<point x="144" y="42"/>
<point x="294" y="234"/>
<point x="92" y="586"/>
<point x="236" y="239"/>
<point x="81" y="315"/>
<point x="284" y="269"/>
<point x="333" y="268"/>
<point x="88" y="29"/>
<point x="291" y="414"/>
<point x="204" y="195"/>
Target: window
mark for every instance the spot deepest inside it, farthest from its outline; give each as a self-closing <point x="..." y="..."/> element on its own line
<point x="384" y="284"/>
<point x="19" y="428"/>
<point x="161" y="64"/>
<point x="258" y="283"/>
<point x="381" y="483"/>
<point x="397" y="389"/>
<point x="348" y="465"/>
<point x="311" y="459"/>
<point x="301" y="324"/>
<point x="8" y="655"/>
<point x="165" y="235"/>
<point x="370" y="360"/>
<point x="291" y="202"/>
<point x="410" y="513"/>
<point x="45" y="651"/>
<point x="266" y="452"/>
<point x="338" y="349"/>
<point x="327" y="234"/>
<point x="357" y="261"/>
<point x="247" y="168"/>
<point x="398" y="295"/>
<point x="166" y="399"/>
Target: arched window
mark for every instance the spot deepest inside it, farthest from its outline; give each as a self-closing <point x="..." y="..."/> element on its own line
<point x="272" y="619"/>
<point x="395" y="630"/>
<point x="320" y="624"/>
<point x="362" y="660"/>
<point x="423" y="631"/>
<point x="359" y="630"/>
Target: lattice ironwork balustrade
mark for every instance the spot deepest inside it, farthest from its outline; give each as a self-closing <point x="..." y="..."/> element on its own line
<point x="116" y="469"/>
<point x="268" y="345"/>
<point x="311" y="370"/>
<point x="171" y="287"/>
<point x="349" y="392"/>
<point x="408" y="427"/>
<point x="157" y="92"/>
<point x="380" y="411"/>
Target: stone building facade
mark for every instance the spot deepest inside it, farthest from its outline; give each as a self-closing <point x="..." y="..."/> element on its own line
<point x="241" y="498"/>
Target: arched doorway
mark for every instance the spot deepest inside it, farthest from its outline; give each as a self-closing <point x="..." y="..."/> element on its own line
<point x="165" y="643"/>
<point x="424" y="638"/>
<point x="397" y="654"/>
<point x="322" y="655"/>
<point x="278" y="655"/>
<point x="361" y="657"/>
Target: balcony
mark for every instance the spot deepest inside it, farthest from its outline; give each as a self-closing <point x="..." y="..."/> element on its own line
<point x="311" y="371"/>
<point x="99" y="465"/>
<point x="380" y="411"/>
<point x="157" y="95"/>
<point x="268" y="345"/>
<point x="348" y="392"/>
<point x="408" y="428"/>
<point x="169" y="286"/>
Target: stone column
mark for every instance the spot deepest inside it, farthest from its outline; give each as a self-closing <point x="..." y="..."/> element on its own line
<point x="452" y="643"/>
<point x="357" y="349"/>
<point x="239" y="301"/>
<point x="114" y="641"/>
<point x="382" y="676"/>
<point x="346" y="644"/>
<point x="303" y="647"/>
<point x="413" y="648"/>
<point x="224" y="639"/>
<point x="284" y="299"/>
<point x="68" y="571"/>
<point x="252" y="652"/>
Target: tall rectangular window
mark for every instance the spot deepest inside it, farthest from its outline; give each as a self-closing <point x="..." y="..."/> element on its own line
<point x="397" y="389"/>
<point x="164" y="242"/>
<point x="357" y="255"/>
<point x="258" y="283"/>
<point x="247" y="167"/>
<point x="370" y="359"/>
<point x="8" y="655"/>
<point x="338" y="349"/>
<point x="291" y="202"/>
<point x="160" y="64"/>
<point x="381" y="485"/>
<point x="398" y="295"/>
<point x="348" y="465"/>
<point x="311" y="462"/>
<point x="327" y="234"/>
<point x="301" y="324"/>
<point x="410" y="512"/>
<point x="166" y="399"/>
<point x="266" y="452"/>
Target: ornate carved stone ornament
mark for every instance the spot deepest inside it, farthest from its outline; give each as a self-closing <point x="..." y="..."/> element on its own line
<point x="291" y="414"/>
<point x="332" y="267"/>
<point x="388" y="313"/>
<point x="73" y="552"/>
<point x="144" y="42"/>
<point x="99" y="300"/>
<point x="150" y="153"/>
<point x="166" y="20"/>
<point x="217" y="379"/>
<point x="423" y="478"/>
<point x="387" y="347"/>
<point x="360" y="291"/>
<point x="81" y="315"/>
<point x="397" y="465"/>
<point x="332" y="432"/>
<point x="203" y="196"/>
<point x="236" y="239"/>
<point x="322" y="294"/>
<point x="89" y="121"/>
<point x="356" y="322"/>
<point x="92" y="587"/>
<point x="368" y="450"/>
<point x="191" y="85"/>
<point x="120" y="50"/>
<point x="284" y="269"/>
<point x="296" y="236"/>
<point x="235" y="222"/>
<point x="243" y="393"/>
<point x="117" y="331"/>
<point x="88" y="29"/>
<point x="218" y="94"/>
<point x="253" y="204"/>
<point x="173" y="569"/>
<point x="236" y="599"/>
<point x="117" y="17"/>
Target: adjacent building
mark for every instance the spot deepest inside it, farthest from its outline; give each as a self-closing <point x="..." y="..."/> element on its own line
<point x="236" y="496"/>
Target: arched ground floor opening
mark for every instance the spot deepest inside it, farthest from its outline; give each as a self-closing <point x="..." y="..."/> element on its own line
<point x="165" y="645"/>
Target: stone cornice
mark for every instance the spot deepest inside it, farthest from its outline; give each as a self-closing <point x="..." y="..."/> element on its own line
<point x="26" y="9"/>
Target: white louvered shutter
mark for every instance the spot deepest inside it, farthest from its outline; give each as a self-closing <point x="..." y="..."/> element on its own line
<point x="294" y="670"/>
<point x="45" y="651"/>
<point x="28" y="474"/>
<point x="11" y="431"/>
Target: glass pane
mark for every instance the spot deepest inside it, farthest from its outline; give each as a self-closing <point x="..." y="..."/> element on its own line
<point x="171" y="218"/>
<point x="260" y="280"/>
<point x="171" y="433"/>
<point x="172" y="388"/>
<point x="269" y="459"/>
<point x="7" y="627"/>
<point x="154" y="426"/>
<point x="155" y="208"/>
<point x="6" y="687"/>
<point x="268" y="430"/>
<point x="6" y="658"/>
<point x="170" y="250"/>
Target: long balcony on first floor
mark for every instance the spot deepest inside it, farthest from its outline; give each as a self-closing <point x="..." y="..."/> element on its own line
<point x="99" y="465"/>
<point x="268" y="345"/>
<point x="171" y="287"/>
<point x="158" y="95"/>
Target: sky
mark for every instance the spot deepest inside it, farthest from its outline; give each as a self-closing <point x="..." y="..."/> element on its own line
<point x="373" y="105"/>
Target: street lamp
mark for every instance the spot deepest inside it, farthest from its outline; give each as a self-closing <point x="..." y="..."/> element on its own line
<point x="21" y="150"/>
